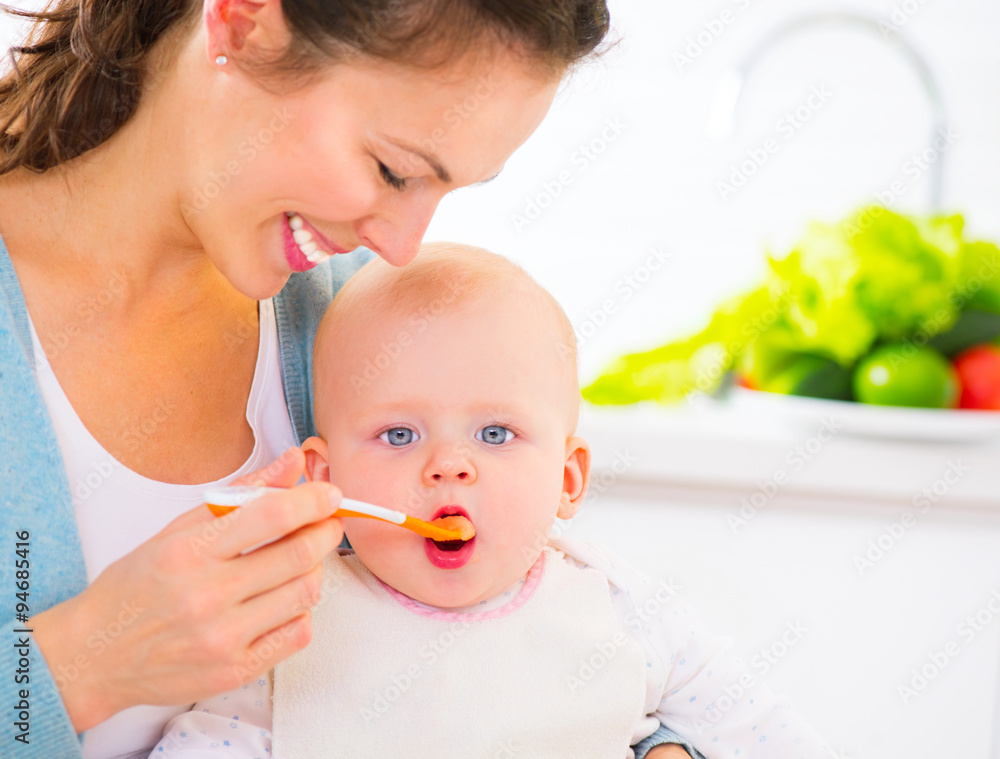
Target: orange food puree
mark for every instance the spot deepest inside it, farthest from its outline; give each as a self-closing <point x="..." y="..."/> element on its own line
<point x="457" y="523"/>
<point x="220" y="511"/>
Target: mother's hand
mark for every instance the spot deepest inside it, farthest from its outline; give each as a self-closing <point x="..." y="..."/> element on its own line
<point x="186" y="615"/>
<point x="668" y="751"/>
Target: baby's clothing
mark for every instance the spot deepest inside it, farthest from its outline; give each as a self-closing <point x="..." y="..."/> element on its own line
<point x="587" y="657"/>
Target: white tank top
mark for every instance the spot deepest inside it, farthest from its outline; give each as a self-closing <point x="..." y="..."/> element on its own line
<point x="118" y="509"/>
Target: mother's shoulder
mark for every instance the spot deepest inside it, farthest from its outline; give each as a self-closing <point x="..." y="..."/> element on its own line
<point x="298" y="309"/>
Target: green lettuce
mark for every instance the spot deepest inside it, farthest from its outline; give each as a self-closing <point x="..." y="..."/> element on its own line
<point x="875" y="277"/>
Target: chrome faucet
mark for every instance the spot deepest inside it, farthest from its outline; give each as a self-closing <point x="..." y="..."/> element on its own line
<point x="730" y="89"/>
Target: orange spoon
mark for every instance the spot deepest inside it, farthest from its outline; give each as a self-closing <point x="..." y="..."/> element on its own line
<point x="221" y="501"/>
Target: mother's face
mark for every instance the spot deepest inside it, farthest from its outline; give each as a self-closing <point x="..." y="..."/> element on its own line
<point x="362" y="156"/>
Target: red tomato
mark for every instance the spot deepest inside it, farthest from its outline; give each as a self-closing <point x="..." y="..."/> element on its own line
<point x="979" y="373"/>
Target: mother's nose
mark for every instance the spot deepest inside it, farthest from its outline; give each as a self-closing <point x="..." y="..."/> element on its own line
<point x="396" y="231"/>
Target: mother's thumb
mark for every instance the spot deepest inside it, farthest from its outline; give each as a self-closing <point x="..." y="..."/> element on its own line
<point x="284" y="472"/>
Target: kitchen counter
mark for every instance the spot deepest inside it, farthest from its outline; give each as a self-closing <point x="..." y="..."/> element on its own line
<point x="715" y="451"/>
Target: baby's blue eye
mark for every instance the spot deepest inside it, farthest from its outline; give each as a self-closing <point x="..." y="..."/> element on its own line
<point x="494" y="435"/>
<point x="399" y="436"/>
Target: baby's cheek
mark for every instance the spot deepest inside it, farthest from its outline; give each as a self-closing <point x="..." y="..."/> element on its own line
<point x="386" y="559"/>
<point x="532" y="537"/>
<point x="369" y="537"/>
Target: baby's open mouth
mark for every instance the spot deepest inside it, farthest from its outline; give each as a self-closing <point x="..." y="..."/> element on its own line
<point x="458" y="523"/>
<point x="449" y="545"/>
<point x="452" y="554"/>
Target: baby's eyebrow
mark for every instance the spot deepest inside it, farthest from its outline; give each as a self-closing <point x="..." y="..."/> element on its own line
<point x="412" y="411"/>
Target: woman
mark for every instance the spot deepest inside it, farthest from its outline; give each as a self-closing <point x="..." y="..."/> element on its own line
<point x="165" y="166"/>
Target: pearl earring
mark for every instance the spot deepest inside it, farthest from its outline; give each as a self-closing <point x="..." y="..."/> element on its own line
<point x="221" y="60"/>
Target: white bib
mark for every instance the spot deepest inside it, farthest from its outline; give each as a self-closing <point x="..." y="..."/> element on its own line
<point x="553" y="675"/>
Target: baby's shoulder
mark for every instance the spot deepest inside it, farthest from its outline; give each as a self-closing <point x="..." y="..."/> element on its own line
<point x="586" y="554"/>
<point x="653" y="612"/>
<point x="623" y="578"/>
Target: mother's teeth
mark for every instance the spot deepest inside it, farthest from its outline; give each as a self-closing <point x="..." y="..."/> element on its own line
<point x="304" y="239"/>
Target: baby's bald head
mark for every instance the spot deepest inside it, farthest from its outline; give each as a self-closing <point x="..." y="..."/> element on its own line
<point x="444" y="278"/>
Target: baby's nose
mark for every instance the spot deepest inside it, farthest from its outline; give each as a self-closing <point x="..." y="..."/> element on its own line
<point x="448" y="466"/>
<point x="458" y="475"/>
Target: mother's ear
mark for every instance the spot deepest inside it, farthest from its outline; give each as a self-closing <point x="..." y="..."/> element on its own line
<point x="576" y="475"/>
<point x="245" y="27"/>
<point x="317" y="455"/>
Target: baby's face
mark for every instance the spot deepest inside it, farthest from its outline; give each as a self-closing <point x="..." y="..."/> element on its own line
<point x="468" y="413"/>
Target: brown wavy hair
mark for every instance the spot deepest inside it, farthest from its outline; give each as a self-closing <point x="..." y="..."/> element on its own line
<point x="81" y="72"/>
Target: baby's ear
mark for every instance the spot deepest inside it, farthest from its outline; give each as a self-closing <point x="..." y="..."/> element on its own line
<point x="317" y="454"/>
<point x="576" y="475"/>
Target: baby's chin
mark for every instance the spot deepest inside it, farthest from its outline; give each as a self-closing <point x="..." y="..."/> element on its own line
<point x="447" y="589"/>
<point x="446" y="598"/>
<point x="459" y="593"/>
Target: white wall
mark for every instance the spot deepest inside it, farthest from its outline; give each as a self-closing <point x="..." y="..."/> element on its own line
<point x="656" y="184"/>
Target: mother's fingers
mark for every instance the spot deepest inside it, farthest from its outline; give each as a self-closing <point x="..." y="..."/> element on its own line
<point x="278" y="644"/>
<point x="280" y="605"/>
<point x="197" y="517"/>
<point x="283" y="561"/>
<point x="278" y="623"/>
<point x="274" y="516"/>
<point x="284" y="472"/>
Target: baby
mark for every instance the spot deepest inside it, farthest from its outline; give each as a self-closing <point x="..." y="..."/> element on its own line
<point x="449" y="388"/>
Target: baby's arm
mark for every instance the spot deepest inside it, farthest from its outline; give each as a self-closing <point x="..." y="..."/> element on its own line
<point x="718" y="703"/>
<point x="694" y="685"/>
<point x="235" y="724"/>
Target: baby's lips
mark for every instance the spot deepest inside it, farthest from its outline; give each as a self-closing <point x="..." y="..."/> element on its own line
<point x="457" y="523"/>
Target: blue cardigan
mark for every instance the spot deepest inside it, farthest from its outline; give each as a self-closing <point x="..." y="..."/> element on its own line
<point x="35" y="497"/>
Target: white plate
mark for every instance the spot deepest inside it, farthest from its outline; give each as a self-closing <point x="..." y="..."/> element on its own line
<point x="893" y="422"/>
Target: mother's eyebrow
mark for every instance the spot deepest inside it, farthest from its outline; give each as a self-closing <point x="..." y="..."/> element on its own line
<point x="431" y="159"/>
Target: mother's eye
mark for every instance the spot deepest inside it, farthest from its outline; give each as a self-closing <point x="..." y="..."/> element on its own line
<point x="399" y="436"/>
<point x="391" y="179"/>
<point x="494" y="434"/>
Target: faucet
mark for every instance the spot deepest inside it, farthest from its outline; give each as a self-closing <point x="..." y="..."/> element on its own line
<point x="730" y="89"/>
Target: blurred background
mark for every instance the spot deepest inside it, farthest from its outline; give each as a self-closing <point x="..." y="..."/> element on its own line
<point x="656" y="183"/>
<point x="884" y="545"/>
<point x="641" y="214"/>
<point x="872" y="541"/>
